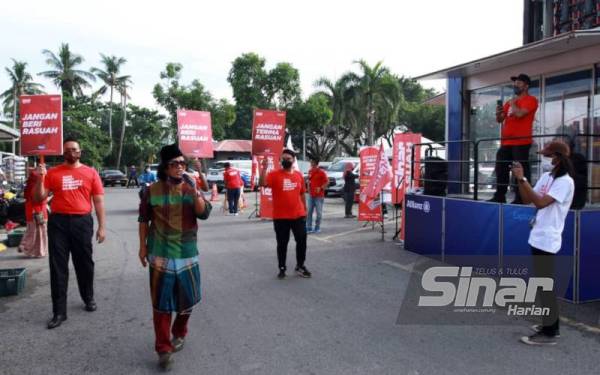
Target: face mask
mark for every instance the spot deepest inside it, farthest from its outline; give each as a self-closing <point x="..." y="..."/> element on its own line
<point x="517" y="90"/>
<point x="546" y="164"/>
<point x="70" y="158"/>
<point x="286" y="164"/>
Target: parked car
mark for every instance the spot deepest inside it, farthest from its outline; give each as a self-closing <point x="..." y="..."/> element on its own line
<point x="335" y="172"/>
<point x="215" y="173"/>
<point x="112" y="177"/>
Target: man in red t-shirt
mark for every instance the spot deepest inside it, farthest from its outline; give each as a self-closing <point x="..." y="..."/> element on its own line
<point x="70" y="226"/>
<point x="516" y="117"/>
<point x="233" y="184"/>
<point x="317" y="182"/>
<point x="289" y="210"/>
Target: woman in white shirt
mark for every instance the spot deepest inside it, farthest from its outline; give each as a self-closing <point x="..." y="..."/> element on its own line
<point x="552" y="197"/>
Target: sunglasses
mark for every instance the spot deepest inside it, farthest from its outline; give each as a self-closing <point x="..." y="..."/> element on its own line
<point x="177" y="163"/>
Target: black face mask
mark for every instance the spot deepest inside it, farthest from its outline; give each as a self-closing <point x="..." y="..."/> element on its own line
<point x="286" y="164"/>
<point x="517" y="90"/>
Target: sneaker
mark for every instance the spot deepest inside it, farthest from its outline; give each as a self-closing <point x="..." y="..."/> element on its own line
<point x="537" y="328"/>
<point x="317" y="230"/>
<point x="539" y="339"/>
<point x="303" y="272"/>
<point x="309" y="230"/>
<point x="236" y="214"/>
<point x="281" y="274"/>
<point x="165" y="361"/>
<point x="178" y="343"/>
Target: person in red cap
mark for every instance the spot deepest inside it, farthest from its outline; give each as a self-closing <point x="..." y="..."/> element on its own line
<point x="516" y="117"/>
<point x="551" y="196"/>
<point x="233" y="184"/>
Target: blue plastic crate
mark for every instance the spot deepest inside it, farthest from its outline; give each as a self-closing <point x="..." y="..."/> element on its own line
<point x="12" y="281"/>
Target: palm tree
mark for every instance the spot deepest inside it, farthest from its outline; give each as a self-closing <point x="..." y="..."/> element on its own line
<point x="65" y="73"/>
<point x="21" y="84"/>
<point x="375" y="84"/>
<point x="110" y="77"/>
<point x="122" y="86"/>
<point x="337" y="94"/>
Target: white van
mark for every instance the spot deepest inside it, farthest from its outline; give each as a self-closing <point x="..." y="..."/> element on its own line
<point x="215" y="172"/>
<point x="335" y="173"/>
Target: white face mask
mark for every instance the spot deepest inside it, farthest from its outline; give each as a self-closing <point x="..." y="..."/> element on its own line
<point x="546" y="164"/>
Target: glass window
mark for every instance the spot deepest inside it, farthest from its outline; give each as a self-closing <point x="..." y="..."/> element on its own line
<point x="595" y="154"/>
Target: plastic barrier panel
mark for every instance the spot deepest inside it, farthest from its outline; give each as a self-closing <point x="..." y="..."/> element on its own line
<point x="424" y="225"/>
<point x="589" y="256"/>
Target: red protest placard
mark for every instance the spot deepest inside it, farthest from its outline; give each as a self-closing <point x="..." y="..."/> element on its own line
<point x="268" y="131"/>
<point x="194" y="130"/>
<point x="402" y="164"/>
<point x="41" y="124"/>
<point x="368" y="209"/>
<point x="266" y="196"/>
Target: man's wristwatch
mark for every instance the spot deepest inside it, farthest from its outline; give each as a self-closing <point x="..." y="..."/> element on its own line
<point x="523" y="179"/>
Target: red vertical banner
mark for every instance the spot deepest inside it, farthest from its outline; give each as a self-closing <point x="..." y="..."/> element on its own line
<point x="402" y="164"/>
<point x="41" y="124"/>
<point x="268" y="132"/>
<point x="266" y="196"/>
<point x="368" y="209"/>
<point x="194" y="130"/>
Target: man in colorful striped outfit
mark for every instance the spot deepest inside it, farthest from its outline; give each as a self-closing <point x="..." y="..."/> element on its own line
<point x="168" y="243"/>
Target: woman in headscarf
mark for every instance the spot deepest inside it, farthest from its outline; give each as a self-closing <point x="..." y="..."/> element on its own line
<point x="35" y="240"/>
<point x="168" y="243"/>
<point x="349" y="189"/>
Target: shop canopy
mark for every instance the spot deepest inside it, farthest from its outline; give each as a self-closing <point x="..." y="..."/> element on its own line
<point x="538" y="50"/>
<point x="8" y="134"/>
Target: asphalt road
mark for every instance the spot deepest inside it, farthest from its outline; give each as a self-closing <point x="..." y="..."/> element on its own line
<point x="342" y="321"/>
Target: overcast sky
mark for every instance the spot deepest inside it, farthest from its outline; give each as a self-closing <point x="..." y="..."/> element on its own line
<point x="320" y="38"/>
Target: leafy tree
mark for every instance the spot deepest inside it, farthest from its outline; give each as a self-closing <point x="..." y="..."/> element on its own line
<point x="337" y="96"/>
<point x="21" y="84"/>
<point x="172" y="95"/>
<point x="65" y="73"/>
<point x="255" y="87"/>
<point x="310" y="119"/>
<point x="111" y="81"/>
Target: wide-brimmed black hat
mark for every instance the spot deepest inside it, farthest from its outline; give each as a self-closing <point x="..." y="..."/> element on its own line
<point x="170" y="152"/>
<point x="521" y="77"/>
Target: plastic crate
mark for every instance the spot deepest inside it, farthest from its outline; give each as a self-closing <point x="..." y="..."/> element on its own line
<point x="14" y="239"/>
<point x="12" y="281"/>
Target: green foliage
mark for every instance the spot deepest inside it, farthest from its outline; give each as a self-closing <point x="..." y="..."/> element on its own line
<point x="64" y="71"/>
<point x="145" y="134"/>
<point x="21" y="84"/>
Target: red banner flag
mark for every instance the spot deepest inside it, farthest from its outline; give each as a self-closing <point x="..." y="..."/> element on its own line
<point x="268" y="132"/>
<point x="402" y="164"/>
<point x="266" y="196"/>
<point x="41" y="124"/>
<point x="194" y="130"/>
<point x="369" y="209"/>
<point x="381" y="177"/>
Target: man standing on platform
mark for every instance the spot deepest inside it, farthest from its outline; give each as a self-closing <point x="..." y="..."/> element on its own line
<point x="70" y="226"/>
<point x="317" y="181"/>
<point x="289" y="210"/>
<point x="233" y="184"/>
<point x="516" y="117"/>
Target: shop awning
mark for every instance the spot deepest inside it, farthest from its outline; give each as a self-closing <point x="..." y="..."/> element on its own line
<point x="538" y="50"/>
<point x="8" y="133"/>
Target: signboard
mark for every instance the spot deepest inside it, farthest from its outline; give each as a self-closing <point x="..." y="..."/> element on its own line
<point x="41" y="124"/>
<point x="268" y="132"/>
<point x="266" y="197"/>
<point x="402" y="164"/>
<point x="368" y="209"/>
<point x="194" y="130"/>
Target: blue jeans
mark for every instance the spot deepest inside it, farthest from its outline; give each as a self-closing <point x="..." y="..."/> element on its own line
<point x="233" y="197"/>
<point x="314" y="203"/>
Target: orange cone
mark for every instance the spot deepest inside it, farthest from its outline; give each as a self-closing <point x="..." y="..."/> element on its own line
<point x="214" y="196"/>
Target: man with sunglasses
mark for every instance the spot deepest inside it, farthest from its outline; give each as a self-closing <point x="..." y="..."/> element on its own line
<point x="75" y="187"/>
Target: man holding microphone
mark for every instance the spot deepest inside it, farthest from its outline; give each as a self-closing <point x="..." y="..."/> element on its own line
<point x="516" y="117"/>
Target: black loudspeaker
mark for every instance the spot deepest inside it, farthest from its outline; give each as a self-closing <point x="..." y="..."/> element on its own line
<point x="435" y="176"/>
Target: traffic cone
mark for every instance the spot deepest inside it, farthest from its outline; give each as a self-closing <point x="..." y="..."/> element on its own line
<point x="214" y="196"/>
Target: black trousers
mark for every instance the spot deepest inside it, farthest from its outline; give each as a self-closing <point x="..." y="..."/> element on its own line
<point x="70" y="234"/>
<point x="543" y="266"/>
<point x="349" y="201"/>
<point x="504" y="157"/>
<point x="134" y="180"/>
<point x="233" y="199"/>
<point x="282" y="234"/>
